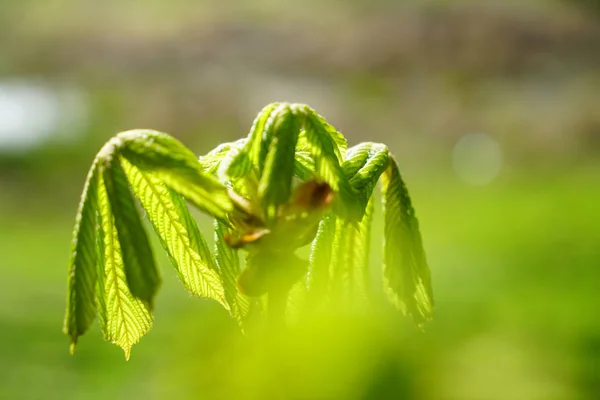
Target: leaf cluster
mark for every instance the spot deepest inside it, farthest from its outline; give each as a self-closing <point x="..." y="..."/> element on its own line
<point x="290" y="183"/>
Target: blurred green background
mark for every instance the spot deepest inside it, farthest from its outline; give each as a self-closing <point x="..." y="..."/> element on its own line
<point x="492" y="109"/>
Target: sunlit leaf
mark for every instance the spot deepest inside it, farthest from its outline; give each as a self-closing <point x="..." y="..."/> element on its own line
<point x="338" y="138"/>
<point x="407" y="279"/>
<point x="211" y="161"/>
<point x="178" y="234"/>
<point x="229" y="265"/>
<point x="140" y="268"/>
<point x="357" y="257"/>
<point x="320" y="259"/>
<point x="124" y="319"/>
<point x="255" y="150"/>
<point x="81" y="305"/>
<point x="363" y="166"/>
<point x="178" y="168"/>
<point x="327" y="165"/>
<point x="304" y="166"/>
<point x="275" y="184"/>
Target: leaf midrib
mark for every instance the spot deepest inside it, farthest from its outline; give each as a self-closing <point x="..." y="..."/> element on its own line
<point x="187" y="248"/>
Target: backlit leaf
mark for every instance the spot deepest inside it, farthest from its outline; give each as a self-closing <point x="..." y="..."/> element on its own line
<point x="407" y="279"/>
<point x="320" y="258"/>
<point x="81" y="305"/>
<point x="211" y="161"/>
<point x="275" y="184"/>
<point x="178" y="234"/>
<point x="255" y="150"/>
<point x="177" y="167"/>
<point x="327" y="165"/>
<point x="229" y="265"/>
<point x="363" y="166"/>
<point x="124" y="319"/>
<point x="140" y="268"/>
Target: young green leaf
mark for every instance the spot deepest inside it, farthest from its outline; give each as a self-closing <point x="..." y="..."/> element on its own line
<point x="177" y="168"/>
<point x="124" y="319"/>
<point x="275" y="184"/>
<point x="81" y="305"/>
<point x="229" y="265"/>
<point x="211" y="161"/>
<point x="407" y="279"/>
<point x="340" y="141"/>
<point x="324" y="151"/>
<point x="143" y="279"/>
<point x="318" y="279"/>
<point x="178" y="234"/>
<point x="339" y="271"/>
<point x="363" y="166"/>
<point x="304" y="166"/>
<point x="255" y="150"/>
<point x="357" y="256"/>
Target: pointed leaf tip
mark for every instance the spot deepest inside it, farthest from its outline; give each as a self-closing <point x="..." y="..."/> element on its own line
<point x="124" y="319"/>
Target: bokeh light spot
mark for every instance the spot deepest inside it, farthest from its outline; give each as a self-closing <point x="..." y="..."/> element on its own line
<point x="477" y="158"/>
<point x="32" y="113"/>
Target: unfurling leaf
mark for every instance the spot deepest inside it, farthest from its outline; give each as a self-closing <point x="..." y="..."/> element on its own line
<point x="407" y="281"/>
<point x="275" y="184"/>
<point x="326" y="155"/>
<point x="320" y="259"/>
<point x="176" y="167"/>
<point x="364" y="165"/>
<point x="142" y="275"/>
<point x="212" y="161"/>
<point x="350" y="259"/>
<point x="178" y="234"/>
<point x="124" y="319"/>
<point x="83" y="272"/>
<point x="228" y="263"/>
<point x="254" y="152"/>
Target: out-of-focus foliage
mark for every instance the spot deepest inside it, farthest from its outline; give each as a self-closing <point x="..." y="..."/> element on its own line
<point x="514" y="256"/>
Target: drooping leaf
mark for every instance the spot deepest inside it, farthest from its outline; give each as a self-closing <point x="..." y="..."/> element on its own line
<point x="320" y="258"/>
<point x="255" y="150"/>
<point x="229" y="265"/>
<point x="357" y="256"/>
<point x="407" y="280"/>
<point x="81" y="304"/>
<point x="178" y="234"/>
<point x="140" y="268"/>
<point x="338" y="138"/>
<point x="177" y="168"/>
<point x="275" y="184"/>
<point x="339" y="271"/>
<point x="232" y="156"/>
<point x="304" y="166"/>
<point x="327" y="166"/>
<point x="363" y="166"/>
<point x="124" y="319"/>
<point x="211" y="161"/>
